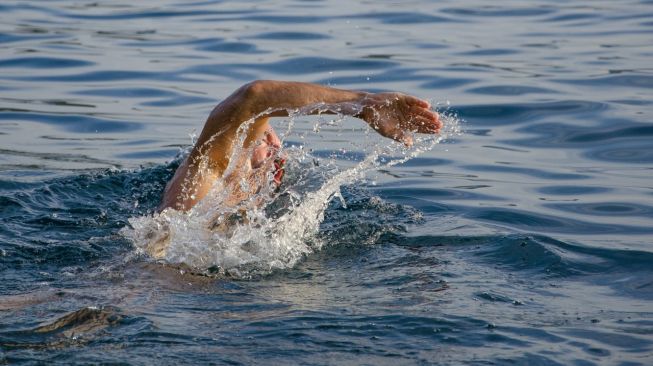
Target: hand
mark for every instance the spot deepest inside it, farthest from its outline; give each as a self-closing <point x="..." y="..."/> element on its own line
<point x="395" y="115"/>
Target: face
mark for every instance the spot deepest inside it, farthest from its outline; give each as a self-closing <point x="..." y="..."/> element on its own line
<point x="266" y="148"/>
<point x="265" y="157"/>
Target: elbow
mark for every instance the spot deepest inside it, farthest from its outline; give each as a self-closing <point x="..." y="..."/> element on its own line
<point x="254" y="97"/>
<point x="255" y="89"/>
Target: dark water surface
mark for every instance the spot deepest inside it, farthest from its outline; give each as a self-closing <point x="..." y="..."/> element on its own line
<point x="526" y="240"/>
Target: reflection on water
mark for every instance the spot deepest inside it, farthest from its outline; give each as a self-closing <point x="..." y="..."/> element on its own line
<point x="525" y="240"/>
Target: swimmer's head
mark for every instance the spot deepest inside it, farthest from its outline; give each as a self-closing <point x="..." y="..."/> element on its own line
<point x="266" y="148"/>
<point x="266" y="156"/>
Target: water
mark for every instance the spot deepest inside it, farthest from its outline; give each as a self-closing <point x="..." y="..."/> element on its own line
<point x="524" y="240"/>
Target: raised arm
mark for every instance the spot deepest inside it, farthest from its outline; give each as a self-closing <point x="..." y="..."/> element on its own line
<point x="257" y="97"/>
<point x="391" y="114"/>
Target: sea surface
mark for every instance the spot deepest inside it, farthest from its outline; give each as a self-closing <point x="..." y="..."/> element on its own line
<point x="521" y="236"/>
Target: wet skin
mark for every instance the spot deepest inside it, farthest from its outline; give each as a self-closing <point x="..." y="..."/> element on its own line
<point x="393" y="115"/>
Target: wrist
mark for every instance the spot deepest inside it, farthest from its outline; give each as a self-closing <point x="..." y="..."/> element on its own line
<point x="362" y="105"/>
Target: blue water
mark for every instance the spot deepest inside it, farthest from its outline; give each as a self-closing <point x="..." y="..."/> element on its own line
<point x="527" y="239"/>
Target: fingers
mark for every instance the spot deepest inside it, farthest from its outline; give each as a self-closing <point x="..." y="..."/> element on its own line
<point x="423" y="125"/>
<point x="424" y="121"/>
<point x="424" y="112"/>
<point x="403" y="116"/>
<point x="413" y="101"/>
<point x="430" y="117"/>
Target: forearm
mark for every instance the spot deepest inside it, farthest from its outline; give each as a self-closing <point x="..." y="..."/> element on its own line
<point x="254" y="99"/>
<point x="280" y="97"/>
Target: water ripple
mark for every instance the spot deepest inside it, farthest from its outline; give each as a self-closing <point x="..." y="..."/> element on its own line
<point x="292" y="36"/>
<point x="74" y="123"/>
<point x="44" y="62"/>
<point x="628" y="81"/>
<point x="104" y="75"/>
<point x="232" y="47"/>
<point x="630" y="152"/>
<point x="605" y="208"/>
<point x="149" y="14"/>
<point x="404" y="18"/>
<point x="575" y="190"/>
<point x="497" y="11"/>
<point x="512" y="90"/>
<point x="127" y="92"/>
<point x="502" y="114"/>
<point x="309" y="65"/>
<point x="15" y="38"/>
<point x="531" y="172"/>
<point x="539" y="222"/>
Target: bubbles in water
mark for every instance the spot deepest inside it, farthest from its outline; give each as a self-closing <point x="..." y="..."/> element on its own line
<point x="272" y="227"/>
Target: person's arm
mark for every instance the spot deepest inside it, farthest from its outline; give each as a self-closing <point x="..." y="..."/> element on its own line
<point x="391" y="114"/>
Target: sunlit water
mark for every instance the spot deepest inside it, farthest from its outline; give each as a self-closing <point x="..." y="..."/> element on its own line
<point x="525" y="239"/>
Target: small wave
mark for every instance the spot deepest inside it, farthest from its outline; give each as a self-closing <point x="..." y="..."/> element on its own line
<point x="43" y="62"/>
<point x="77" y="327"/>
<point x="506" y="114"/>
<point x="291" y="36"/>
<point x="551" y="258"/>
<point x="72" y="220"/>
<point x="627" y="81"/>
<point x="535" y="258"/>
<point x="73" y="123"/>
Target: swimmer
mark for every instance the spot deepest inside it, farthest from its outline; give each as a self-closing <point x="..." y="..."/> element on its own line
<point x="393" y="115"/>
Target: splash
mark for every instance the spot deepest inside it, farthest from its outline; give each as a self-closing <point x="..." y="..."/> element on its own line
<point x="274" y="227"/>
